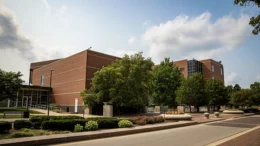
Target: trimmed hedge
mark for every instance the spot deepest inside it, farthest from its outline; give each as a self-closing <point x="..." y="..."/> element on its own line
<point x="62" y="124"/>
<point x="37" y="120"/>
<point x="5" y="127"/>
<point x="19" y="124"/>
<point x="106" y="122"/>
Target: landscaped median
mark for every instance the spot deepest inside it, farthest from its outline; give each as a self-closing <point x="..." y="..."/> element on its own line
<point x="59" y="138"/>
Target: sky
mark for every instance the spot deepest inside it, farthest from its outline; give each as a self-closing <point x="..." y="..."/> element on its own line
<point x="38" y="30"/>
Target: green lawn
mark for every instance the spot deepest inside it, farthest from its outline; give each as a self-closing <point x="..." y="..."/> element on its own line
<point x="18" y="109"/>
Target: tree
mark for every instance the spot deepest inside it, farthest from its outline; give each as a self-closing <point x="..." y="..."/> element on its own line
<point x="167" y="79"/>
<point x="236" y="88"/>
<point x="216" y="92"/>
<point x="123" y="83"/>
<point x="192" y="92"/>
<point x="255" y="87"/>
<point x="229" y="90"/>
<point x="242" y="98"/>
<point x="254" y="21"/>
<point x="10" y="83"/>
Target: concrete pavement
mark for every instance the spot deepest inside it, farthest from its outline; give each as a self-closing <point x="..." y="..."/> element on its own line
<point x="197" y="135"/>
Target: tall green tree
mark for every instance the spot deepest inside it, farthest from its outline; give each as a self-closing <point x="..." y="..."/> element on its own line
<point x="216" y="92"/>
<point x="10" y="84"/>
<point x="167" y="79"/>
<point x="236" y="88"/>
<point x="255" y="87"/>
<point x="229" y="90"/>
<point x="242" y="97"/>
<point x="254" y="21"/>
<point x="192" y="91"/>
<point x="127" y="82"/>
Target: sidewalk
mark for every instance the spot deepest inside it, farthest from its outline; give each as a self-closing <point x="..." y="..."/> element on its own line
<point x="248" y="139"/>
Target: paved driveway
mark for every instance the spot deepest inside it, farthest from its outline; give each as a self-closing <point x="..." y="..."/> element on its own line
<point x="197" y="135"/>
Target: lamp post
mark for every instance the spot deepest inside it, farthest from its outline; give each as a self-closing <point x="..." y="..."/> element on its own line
<point x="48" y="99"/>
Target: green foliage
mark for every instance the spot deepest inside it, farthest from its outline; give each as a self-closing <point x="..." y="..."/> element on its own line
<point x="19" y="124"/>
<point x="216" y="92"/>
<point x="255" y="87"/>
<point x="62" y="124"/>
<point x="105" y="122"/>
<point x="236" y="88"/>
<point x="22" y="134"/>
<point x="37" y="120"/>
<point x="125" y="124"/>
<point x="5" y="127"/>
<point x="126" y="82"/>
<point x="167" y="79"/>
<point x="10" y="83"/>
<point x="229" y="90"/>
<point x="242" y="98"/>
<point x="91" y="126"/>
<point x="192" y="91"/>
<point x="254" y="21"/>
<point x="78" y="128"/>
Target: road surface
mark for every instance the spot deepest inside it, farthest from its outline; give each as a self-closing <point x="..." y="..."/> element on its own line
<point x="197" y="135"/>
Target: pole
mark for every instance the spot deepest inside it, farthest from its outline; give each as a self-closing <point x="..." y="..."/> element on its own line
<point x="27" y="107"/>
<point x="48" y="100"/>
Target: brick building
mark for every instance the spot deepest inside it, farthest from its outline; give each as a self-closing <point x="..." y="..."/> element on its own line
<point x="209" y="68"/>
<point x="70" y="76"/>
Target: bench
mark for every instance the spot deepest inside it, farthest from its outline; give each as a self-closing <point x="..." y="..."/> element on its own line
<point x="13" y="113"/>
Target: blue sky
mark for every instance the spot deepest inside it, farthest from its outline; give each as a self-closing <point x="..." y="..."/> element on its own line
<point x="180" y="29"/>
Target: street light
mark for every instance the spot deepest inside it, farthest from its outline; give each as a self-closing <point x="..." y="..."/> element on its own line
<point x="48" y="102"/>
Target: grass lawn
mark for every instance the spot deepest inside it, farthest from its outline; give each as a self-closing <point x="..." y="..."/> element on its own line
<point x="33" y="132"/>
<point x="18" y="109"/>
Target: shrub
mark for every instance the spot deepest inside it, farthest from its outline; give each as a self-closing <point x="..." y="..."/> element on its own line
<point x="150" y="120"/>
<point x="5" y="127"/>
<point x="36" y="125"/>
<point x="159" y="119"/>
<point x="78" y="128"/>
<point x="125" y="124"/>
<point x="106" y="122"/>
<point x="19" y="124"/>
<point x="62" y="124"/>
<point x="141" y="121"/>
<point x="91" y="125"/>
<point x="22" y="134"/>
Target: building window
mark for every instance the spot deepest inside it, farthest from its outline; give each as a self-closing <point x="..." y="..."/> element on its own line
<point x="212" y="68"/>
<point x="182" y="69"/>
<point x="221" y="70"/>
<point x="42" y="80"/>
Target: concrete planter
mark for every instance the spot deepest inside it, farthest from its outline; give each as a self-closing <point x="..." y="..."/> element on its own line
<point x="216" y="114"/>
<point x="233" y="112"/>
<point x="206" y="115"/>
<point x="177" y="117"/>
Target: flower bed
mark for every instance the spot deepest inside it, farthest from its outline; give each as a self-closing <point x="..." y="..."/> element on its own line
<point x="143" y="120"/>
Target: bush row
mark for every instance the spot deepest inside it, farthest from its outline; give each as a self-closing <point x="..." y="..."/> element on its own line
<point x="62" y="124"/>
<point x="5" y="127"/>
<point x="105" y="122"/>
<point x="143" y="120"/>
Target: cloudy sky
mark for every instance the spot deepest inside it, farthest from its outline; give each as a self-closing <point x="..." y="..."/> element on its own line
<point x="37" y="30"/>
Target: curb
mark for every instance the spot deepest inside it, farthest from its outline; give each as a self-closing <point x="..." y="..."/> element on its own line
<point x="61" y="138"/>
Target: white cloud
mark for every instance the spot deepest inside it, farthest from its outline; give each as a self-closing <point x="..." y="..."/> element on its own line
<point x="258" y="77"/>
<point x="62" y="10"/>
<point x="232" y="78"/>
<point x="146" y="23"/>
<point x="131" y="40"/>
<point x="196" y="37"/>
<point x="47" y="5"/>
<point x="120" y="53"/>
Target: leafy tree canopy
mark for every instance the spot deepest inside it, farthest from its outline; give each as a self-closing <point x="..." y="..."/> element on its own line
<point x="254" y="21"/>
<point x="216" y="92"/>
<point x="236" y="88"/>
<point x="10" y="83"/>
<point x="242" y="97"/>
<point x="167" y="79"/>
<point x="127" y="82"/>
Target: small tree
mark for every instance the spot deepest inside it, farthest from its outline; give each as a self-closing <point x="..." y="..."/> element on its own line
<point x="167" y="79"/>
<point x="10" y="84"/>
<point x="216" y="92"/>
<point x="192" y="91"/>
<point x="255" y="87"/>
<point x="242" y="98"/>
<point x="236" y="88"/>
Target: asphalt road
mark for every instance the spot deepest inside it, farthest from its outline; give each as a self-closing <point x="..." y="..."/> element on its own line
<point x="197" y="135"/>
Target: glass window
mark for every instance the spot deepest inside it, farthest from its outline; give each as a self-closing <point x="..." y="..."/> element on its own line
<point x="42" y="80"/>
<point x="212" y="68"/>
<point x="182" y="69"/>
